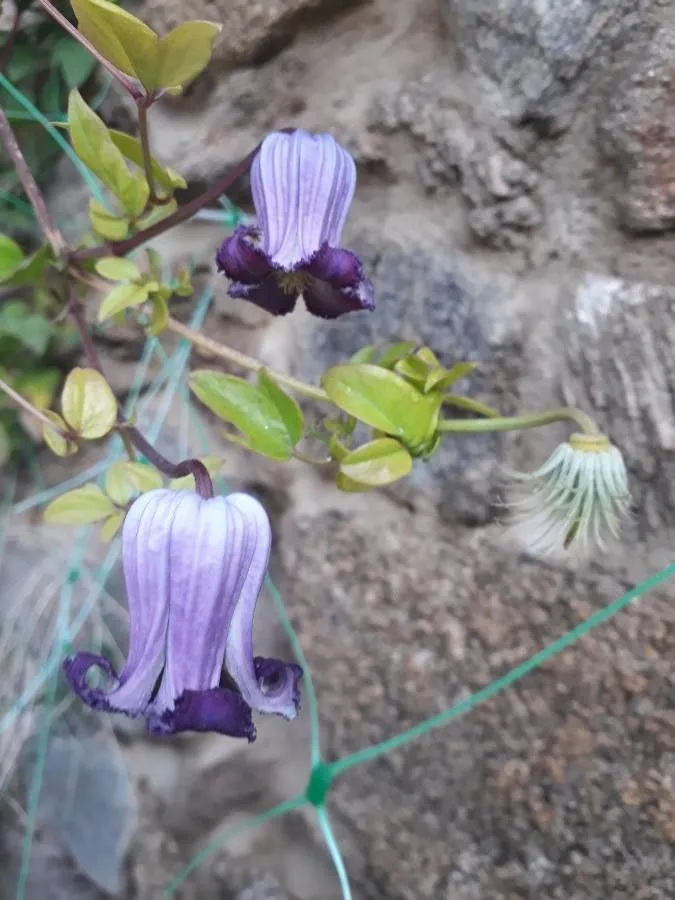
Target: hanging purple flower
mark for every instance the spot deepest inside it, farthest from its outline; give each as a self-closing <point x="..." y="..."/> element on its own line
<point x="193" y="570"/>
<point x="302" y="186"/>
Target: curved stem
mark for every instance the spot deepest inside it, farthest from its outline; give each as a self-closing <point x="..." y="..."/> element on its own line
<point x="246" y="362"/>
<point x="518" y="423"/>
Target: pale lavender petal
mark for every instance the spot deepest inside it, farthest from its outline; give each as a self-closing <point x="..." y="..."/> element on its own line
<point x="219" y="709"/>
<point x="253" y="549"/>
<point x="303" y="186"/>
<point x="240" y="260"/>
<point x="269" y="295"/>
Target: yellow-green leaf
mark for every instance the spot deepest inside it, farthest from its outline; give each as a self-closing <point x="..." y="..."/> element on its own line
<point x="383" y="400"/>
<point x="287" y="406"/>
<point x="54" y="438"/>
<point x="213" y="464"/>
<point x="349" y="486"/>
<point x="123" y="39"/>
<point x="122" y="297"/>
<point x="107" y="224"/>
<point x="88" y="403"/>
<point x="111" y="526"/>
<point x="92" y="143"/>
<point x="158" y="213"/>
<point x="160" y="316"/>
<point x="248" y="409"/>
<point x="124" y="480"/>
<point x="80" y="507"/>
<point x="377" y="463"/>
<point x="441" y="379"/>
<point x="185" y="52"/>
<point x="130" y="147"/>
<point x="11" y="256"/>
<point x="392" y="354"/>
<point x="117" y="269"/>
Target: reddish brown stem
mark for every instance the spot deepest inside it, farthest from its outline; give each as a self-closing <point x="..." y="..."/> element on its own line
<point x="193" y="467"/>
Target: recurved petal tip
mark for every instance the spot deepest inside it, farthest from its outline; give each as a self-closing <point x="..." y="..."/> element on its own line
<point x="76" y="670"/>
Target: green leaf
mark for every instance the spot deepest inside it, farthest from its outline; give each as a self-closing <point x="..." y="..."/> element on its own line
<point x="413" y="369"/>
<point x="117" y="269"/>
<point x="121" y="38"/>
<point x="397" y="351"/>
<point x="427" y="355"/>
<point x="185" y="52"/>
<point x="184" y="286"/>
<point x="287" y="406"/>
<point x="88" y="403"/>
<point x="80" y="507"/>
<point x="54" y="438"/>
<point x="213" y="464"/>
<point x="160" y="316"/>
<point x="377" y="463"/>
<point x="111" y="526"/>
<point x="31" y="268"/>
<point x="76" y="62"/>
<point x="107" y="224"/>
<point x="158" y="213"/>
<point x="130" y="147"/>
<point x="441" y="379"/>
<point x="11" y="256"/>
<point x="124" y="480"/>
<point x="122" y="297"/>
<point x="383" y="400"/>
<point x="346" y="484"/>
<point x="39" y="386"/>
<point x="31" y="330"/>
<point x="247" y="408"/>
<point x="92" y="143"/>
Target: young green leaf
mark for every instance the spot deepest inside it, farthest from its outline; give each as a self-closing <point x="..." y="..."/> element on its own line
<point x="80" y="507"/>
<point x="111" y="526"/>
<point x="117" y="269"/>
<point x="130" y="147"/>
<point x="397" y="351"/>
<point x="413" y="369"/>
<point x="107" y="224"/>
<point x="157" y="213"/>
<point x="126" y="479"/>
<point x="349" y="486"/>
<point x="121" y="38"/>
<point x="31" y="268"/>
<point x="441" y="379"/>
<point x="185" y="52"/>
<point x="248" y="409"/>
<point x="54" y="438"/>
<point x="92" y="143"/>
<point x="88" y="403"/>
<point x="30" y="329"/>
<point x="11" y="256"/>
<point x="377" y="463"/>
<point x="383" y="400"/>
<point x="75" y="61"/>
<point x="160" y="315"/>
<point x="287" y="406"/>
<point x="364" y="355"/>
<point x="122" y="297"/>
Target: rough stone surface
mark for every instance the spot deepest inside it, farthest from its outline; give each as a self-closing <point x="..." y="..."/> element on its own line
<point x="637" y="131"/>
<point x="538" y="56"/>
<point x="561" y="787"/>
<point x="252" y="31"/>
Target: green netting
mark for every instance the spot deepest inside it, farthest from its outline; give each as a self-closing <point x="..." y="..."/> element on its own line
<point x="167" y="389"/>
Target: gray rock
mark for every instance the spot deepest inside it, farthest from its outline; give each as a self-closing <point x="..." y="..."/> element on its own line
<point x="252" y="31"/>
<point x="619" y="339"/>
<point x="538" y="57"/>
<point x="637" y="132"/>
<point x="425" y="298"/>
<point x="559" y="788"/>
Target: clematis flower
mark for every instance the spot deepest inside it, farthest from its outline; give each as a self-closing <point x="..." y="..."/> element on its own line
<point x="575" y="498"/>
<point x="302" y="186"/>
<point x="193" y="570"/>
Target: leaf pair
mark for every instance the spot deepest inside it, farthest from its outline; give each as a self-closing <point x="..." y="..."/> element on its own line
<point x="89" y="410"/>
<point x="270" y="421"/>
<point x="136" y="50"/>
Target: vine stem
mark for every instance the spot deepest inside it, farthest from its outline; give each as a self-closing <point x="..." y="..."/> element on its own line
<point x="28" y="407"/>
<point x="129" y="84"/>
<point x="246" y="362"/>
<point x="33" y="192"/>
<point x="518" y="423"/>
<point x="131" y="435"/>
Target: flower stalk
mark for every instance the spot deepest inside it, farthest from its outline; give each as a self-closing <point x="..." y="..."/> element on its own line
<point x="520" y="423"/>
